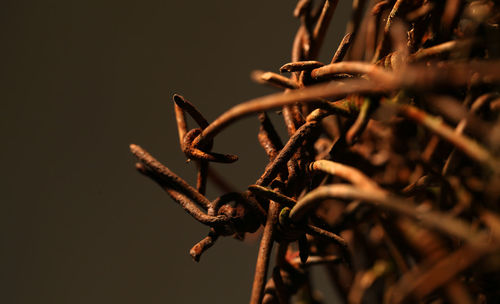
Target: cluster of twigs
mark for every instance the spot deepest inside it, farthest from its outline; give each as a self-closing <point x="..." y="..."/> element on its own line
<point x="390" y="177"/>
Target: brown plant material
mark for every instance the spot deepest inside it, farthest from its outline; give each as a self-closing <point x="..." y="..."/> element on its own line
<point x="390" y="176"/>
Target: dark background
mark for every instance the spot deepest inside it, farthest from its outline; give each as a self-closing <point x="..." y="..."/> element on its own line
<point x="80" y="81"/>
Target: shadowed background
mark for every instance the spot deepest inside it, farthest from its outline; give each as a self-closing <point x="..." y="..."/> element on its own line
<point x="81" y="80"/>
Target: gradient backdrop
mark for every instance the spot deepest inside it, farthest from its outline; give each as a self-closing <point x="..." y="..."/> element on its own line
<point x="80" y="80"/>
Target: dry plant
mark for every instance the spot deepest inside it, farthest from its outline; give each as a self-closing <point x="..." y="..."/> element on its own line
<point x="390" y="177"/>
